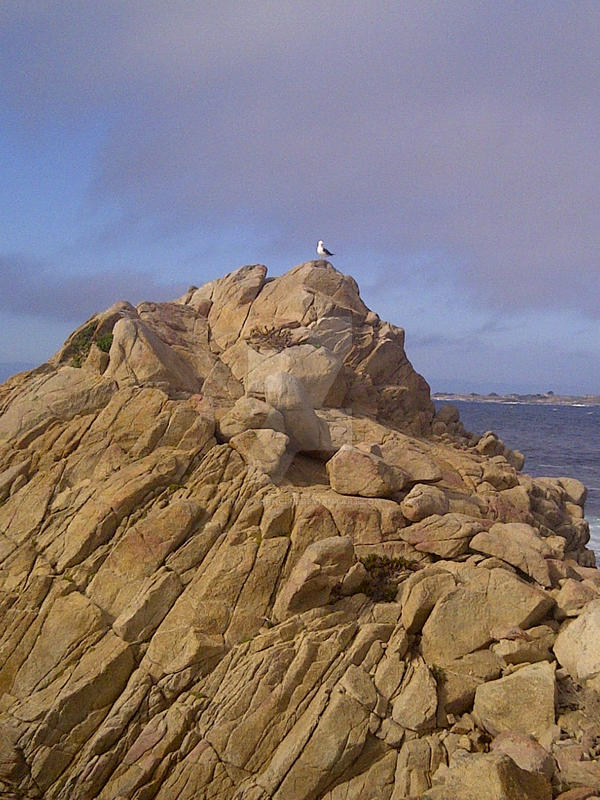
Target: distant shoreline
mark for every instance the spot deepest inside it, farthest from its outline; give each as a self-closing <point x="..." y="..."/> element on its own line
<point x="528" y="399"/>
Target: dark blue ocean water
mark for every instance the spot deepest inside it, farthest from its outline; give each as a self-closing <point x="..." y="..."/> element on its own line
<point x="556" y="441"/>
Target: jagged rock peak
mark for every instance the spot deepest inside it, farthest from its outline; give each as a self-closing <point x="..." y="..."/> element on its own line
<point x="222" y="339"/>
<point x="241" y="559"/>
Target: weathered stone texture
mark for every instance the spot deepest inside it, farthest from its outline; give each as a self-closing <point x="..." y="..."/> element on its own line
<point x="241" y="558"/>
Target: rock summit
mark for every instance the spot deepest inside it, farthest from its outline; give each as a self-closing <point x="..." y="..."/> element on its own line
<point x="243" y="558"/>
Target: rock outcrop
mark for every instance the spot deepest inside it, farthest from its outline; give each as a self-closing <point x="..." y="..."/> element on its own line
<point x="242" y="558"/>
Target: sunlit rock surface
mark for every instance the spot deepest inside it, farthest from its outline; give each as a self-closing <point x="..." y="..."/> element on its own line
<point x="241" y="558"/>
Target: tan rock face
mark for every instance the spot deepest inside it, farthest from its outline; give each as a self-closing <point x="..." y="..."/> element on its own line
<point x="240" y="559"/>
<point x="420" y="595"/>
<point x="493" y="776"/>
<point x="525" y="751"/>
<point x="416" y="703"/>
<point x="573" y="596"/>
<point x="577" y="646"/>
<point x="464" y="620"/>
<point x="265" y="449"/>
<point x="574" y="489"/>
<point x="412" y="457"/>
<point x="55" y="396"/>
<point x="517" y="544"/>
<point x="322" y="566"/>
<point x="424" y="501"/>
<point x="287" y="394"/>
<point x="231" y="300"/>
<point x="458" y="680"/>
<point x="249" y="413"/>
<point x="358" y="472"/>
<point x="315" y="368"/>
<point x="533" y="646"/>
<point x="447" y="536"/>
<point x="141" y="357"/>
<point x="523" y="702"/>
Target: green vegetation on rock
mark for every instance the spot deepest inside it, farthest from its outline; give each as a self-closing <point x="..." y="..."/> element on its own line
<point x="105" y="341"/>
<point x="384" y="576"/>
<point x="82" y="343"/>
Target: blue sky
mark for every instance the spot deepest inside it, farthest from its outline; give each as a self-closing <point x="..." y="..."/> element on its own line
<point x="447" y="152"/>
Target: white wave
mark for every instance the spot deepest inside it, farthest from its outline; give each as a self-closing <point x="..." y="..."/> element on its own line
<point x="594" y="543"/>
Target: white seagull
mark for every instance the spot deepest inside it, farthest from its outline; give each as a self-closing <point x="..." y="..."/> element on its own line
<point x="322" y="250"/>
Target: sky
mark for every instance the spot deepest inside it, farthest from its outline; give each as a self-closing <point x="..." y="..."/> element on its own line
<point x="446" y="151"/>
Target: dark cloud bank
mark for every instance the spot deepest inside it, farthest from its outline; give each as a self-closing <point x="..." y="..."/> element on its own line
<point x="466" y="130"/>
<point x="32" y="288"/>
<point x="465" y="125"/>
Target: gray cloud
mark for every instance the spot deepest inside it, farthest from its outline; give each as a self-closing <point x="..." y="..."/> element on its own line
<point x="465" y="128"/>
<point x="31" y="288"/>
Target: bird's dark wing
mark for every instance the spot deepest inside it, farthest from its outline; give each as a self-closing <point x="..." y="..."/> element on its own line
<point x="327" y="253"/>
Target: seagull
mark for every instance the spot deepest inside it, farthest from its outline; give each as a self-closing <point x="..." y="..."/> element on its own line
<point x="321" y="250"/>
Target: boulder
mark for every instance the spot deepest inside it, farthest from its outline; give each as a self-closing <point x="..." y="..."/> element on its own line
<point x="367" y="520"/>
<point x="355" y="471"/>
<point x="575" y="767"/>
<point x="420" y="594"/>
<point x="321" y="567"/>
<point x="265" y="449"/>
<point x="493" y="776"/>
<point x="139" y="356"/>
<point x="575" y="490"/>
<point x="525" y="751"/>
<point x="410" y="456"/>
<point x="572" y="597"/>
<point x="307" y="293"/>
<point x="464" y="619"/>
<point x="489" y="444"/>
<point x="445" y="535"/>
<point x="517" y="544"/>
<point x="499" y="474"/>
<point x="335" y="333"/>
<point x="458" y="680"/>
<point x="345" y="427"/>
<point x="523" y="701"/>
<point x="316" y="368"/>
<point x="249" y="413"/>
<point x="306" y="431"/>
<point x="533" y="646"/>
<point x="184" y="330"/>
<point x="577" y="646"/>
<point x="424" y="501"/>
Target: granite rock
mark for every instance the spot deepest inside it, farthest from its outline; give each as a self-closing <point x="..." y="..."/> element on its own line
<point x="241" y="558"/>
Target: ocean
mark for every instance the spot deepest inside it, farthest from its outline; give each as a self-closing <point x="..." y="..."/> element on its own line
<point x="556" y="441"/>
